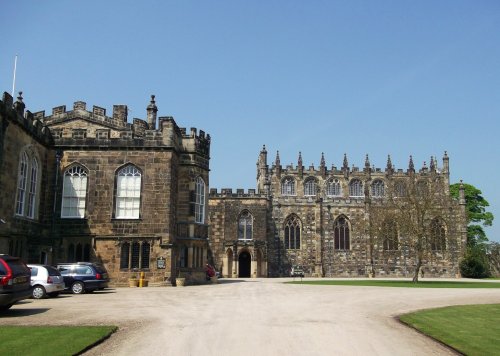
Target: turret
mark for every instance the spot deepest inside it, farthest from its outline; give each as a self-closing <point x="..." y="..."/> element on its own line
<point x="367" y="164"/>
<point x="461" y="193"/>
<point x="300" y="166"/>
<point x="322" y="165"/>
<point x="152" y="110"/>
<point x="389" y="169"/>
<point x="411" y="165"/>
<point x="19" y="106"/>
<point x="446" y="168"/>
<point x="432" y="166"/>
<point x="277" y="163"/>
<point x="262" y="170"/>
<point x="345" y="166"/>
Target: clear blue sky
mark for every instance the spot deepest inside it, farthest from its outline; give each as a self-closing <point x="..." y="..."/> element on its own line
<point x="355" y="77"/>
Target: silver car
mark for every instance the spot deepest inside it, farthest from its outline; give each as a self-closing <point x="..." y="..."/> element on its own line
<point x="45" y="280"/>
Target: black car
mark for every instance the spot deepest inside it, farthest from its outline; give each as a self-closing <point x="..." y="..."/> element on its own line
<point x="81" y="277"/>
<point x="14" y="281"/>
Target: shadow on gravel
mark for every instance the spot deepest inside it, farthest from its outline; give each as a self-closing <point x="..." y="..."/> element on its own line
<point x="16" y="313"/>
<point x="227" y="281"/>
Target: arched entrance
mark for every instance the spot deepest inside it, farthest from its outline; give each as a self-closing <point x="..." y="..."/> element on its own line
<point x="244" y="262"/>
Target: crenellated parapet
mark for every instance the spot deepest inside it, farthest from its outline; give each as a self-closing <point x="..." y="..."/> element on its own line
<point x="14" y="113"/>
<point x="84" y="128"/>
<point x="239" y="193"/>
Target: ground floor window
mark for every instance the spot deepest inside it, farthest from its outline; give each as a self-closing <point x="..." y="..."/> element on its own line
<point x="135" y="255"/>
<point x="79" y="252"/>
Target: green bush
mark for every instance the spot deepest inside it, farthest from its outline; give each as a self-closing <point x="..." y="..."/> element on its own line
<point x="475" y="263"/>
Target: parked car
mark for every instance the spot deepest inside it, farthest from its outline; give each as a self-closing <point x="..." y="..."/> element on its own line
<point x="45" y="280"/>
<point x="81" y="277"/>
<point x="14" y="281"/>
<point x="297" y="271"/>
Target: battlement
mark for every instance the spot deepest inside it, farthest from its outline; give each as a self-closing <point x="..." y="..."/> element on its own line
<point x="299" y="169"/>
<point x="240" y="193"/>
<point x="15" y="112"/>
<point x="95" y="127"/>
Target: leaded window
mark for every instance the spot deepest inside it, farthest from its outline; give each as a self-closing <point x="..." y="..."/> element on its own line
<point x="22" y="179"/>
<point x="310" y="187"/>
<point x="288" y="186"/>
<point x="399" y="189"/>
<point x="74" y="192"/>
<point x="378" y="188"/>
<point x="28" y="179"/>
<point x="389" y="235"/>
<point x="245" y="226"/>
<point x="199" y="213"/>
<point x="124" y="253"/>
<point x="333" y="188"/>
<point x="341" y="234"/>
<point x="135" y="255"/>
<point x="356" y="188"/>
<point x="292" y="233"/>
<point x="32" y="188"/>
<point x="128" y="193"/>
<point x="437" y="235"/>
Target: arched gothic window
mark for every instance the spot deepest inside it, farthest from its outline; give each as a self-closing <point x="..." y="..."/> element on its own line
<point x="400" y="188"/>
<point x="288" y="186"/>
<point x="292" y="233"/>
<point x="341" y="234"/>
<point x="32" y="192"/>
<point x="333" y="188"/>
<point x="356" y="188"/>
<point x="27" y="185"/>
<point x="310" y="187"/>
<point x="199" y="212"/>
<point x="245" y="226"/>
<point x="74" y="192"/>
<point x="437" y="235"/>
<point x="378" y="188"/>
<point x="128" y="193"/>
<point x="389" y="235"/>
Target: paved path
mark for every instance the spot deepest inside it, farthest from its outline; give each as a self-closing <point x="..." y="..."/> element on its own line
<point x="252" y="317"/>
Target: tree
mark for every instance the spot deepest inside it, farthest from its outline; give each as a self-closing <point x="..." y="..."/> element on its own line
<point x="475" y="205"/>
<point x="423" y="213"/>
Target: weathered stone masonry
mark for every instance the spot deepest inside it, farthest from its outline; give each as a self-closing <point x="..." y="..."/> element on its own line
<point x="137" y="199"/>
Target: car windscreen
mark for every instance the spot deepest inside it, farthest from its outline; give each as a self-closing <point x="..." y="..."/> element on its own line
<point x="18" y="267"/>
<point x="52" y="271"/>
<point x="100" y="269"/>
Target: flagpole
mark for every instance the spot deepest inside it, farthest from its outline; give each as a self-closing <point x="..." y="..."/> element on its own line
<point x="14" y="80"/>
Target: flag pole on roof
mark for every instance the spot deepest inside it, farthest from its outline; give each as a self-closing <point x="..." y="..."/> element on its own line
<point x="14" y="79"/>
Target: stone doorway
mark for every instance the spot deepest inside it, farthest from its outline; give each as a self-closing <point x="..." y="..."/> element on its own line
<point x="244" y="262"/>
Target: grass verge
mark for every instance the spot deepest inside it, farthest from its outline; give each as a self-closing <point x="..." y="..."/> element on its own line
<point x="398" y="283"/>
<point x="470" y="329"/>
<point x="51" y="340"/>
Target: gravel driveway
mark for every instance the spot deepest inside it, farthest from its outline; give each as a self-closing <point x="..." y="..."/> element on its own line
<point x="251" y="317"/>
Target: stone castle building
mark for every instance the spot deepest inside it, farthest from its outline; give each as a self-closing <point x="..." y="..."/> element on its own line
<point x="319" y="218"/>
<point x="79" y="185"/>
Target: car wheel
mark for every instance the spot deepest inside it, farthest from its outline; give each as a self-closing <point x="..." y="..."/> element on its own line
<point x="77" y="288"/>
<point x="38" y="292"/>
<point x="53" y="294"/>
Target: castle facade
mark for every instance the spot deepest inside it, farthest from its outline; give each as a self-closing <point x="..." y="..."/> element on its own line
<point x="81" y="185"/>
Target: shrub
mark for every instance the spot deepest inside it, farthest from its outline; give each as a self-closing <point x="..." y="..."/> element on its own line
<point x="475" y="263"/>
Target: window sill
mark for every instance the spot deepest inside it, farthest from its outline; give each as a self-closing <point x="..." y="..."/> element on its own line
<point x="125" y="219"/>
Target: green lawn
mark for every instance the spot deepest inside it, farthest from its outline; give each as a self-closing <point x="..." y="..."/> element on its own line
<point x="399" y="283"/>
<point x="470" y="329"/>
<point x="50" y="340"/>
